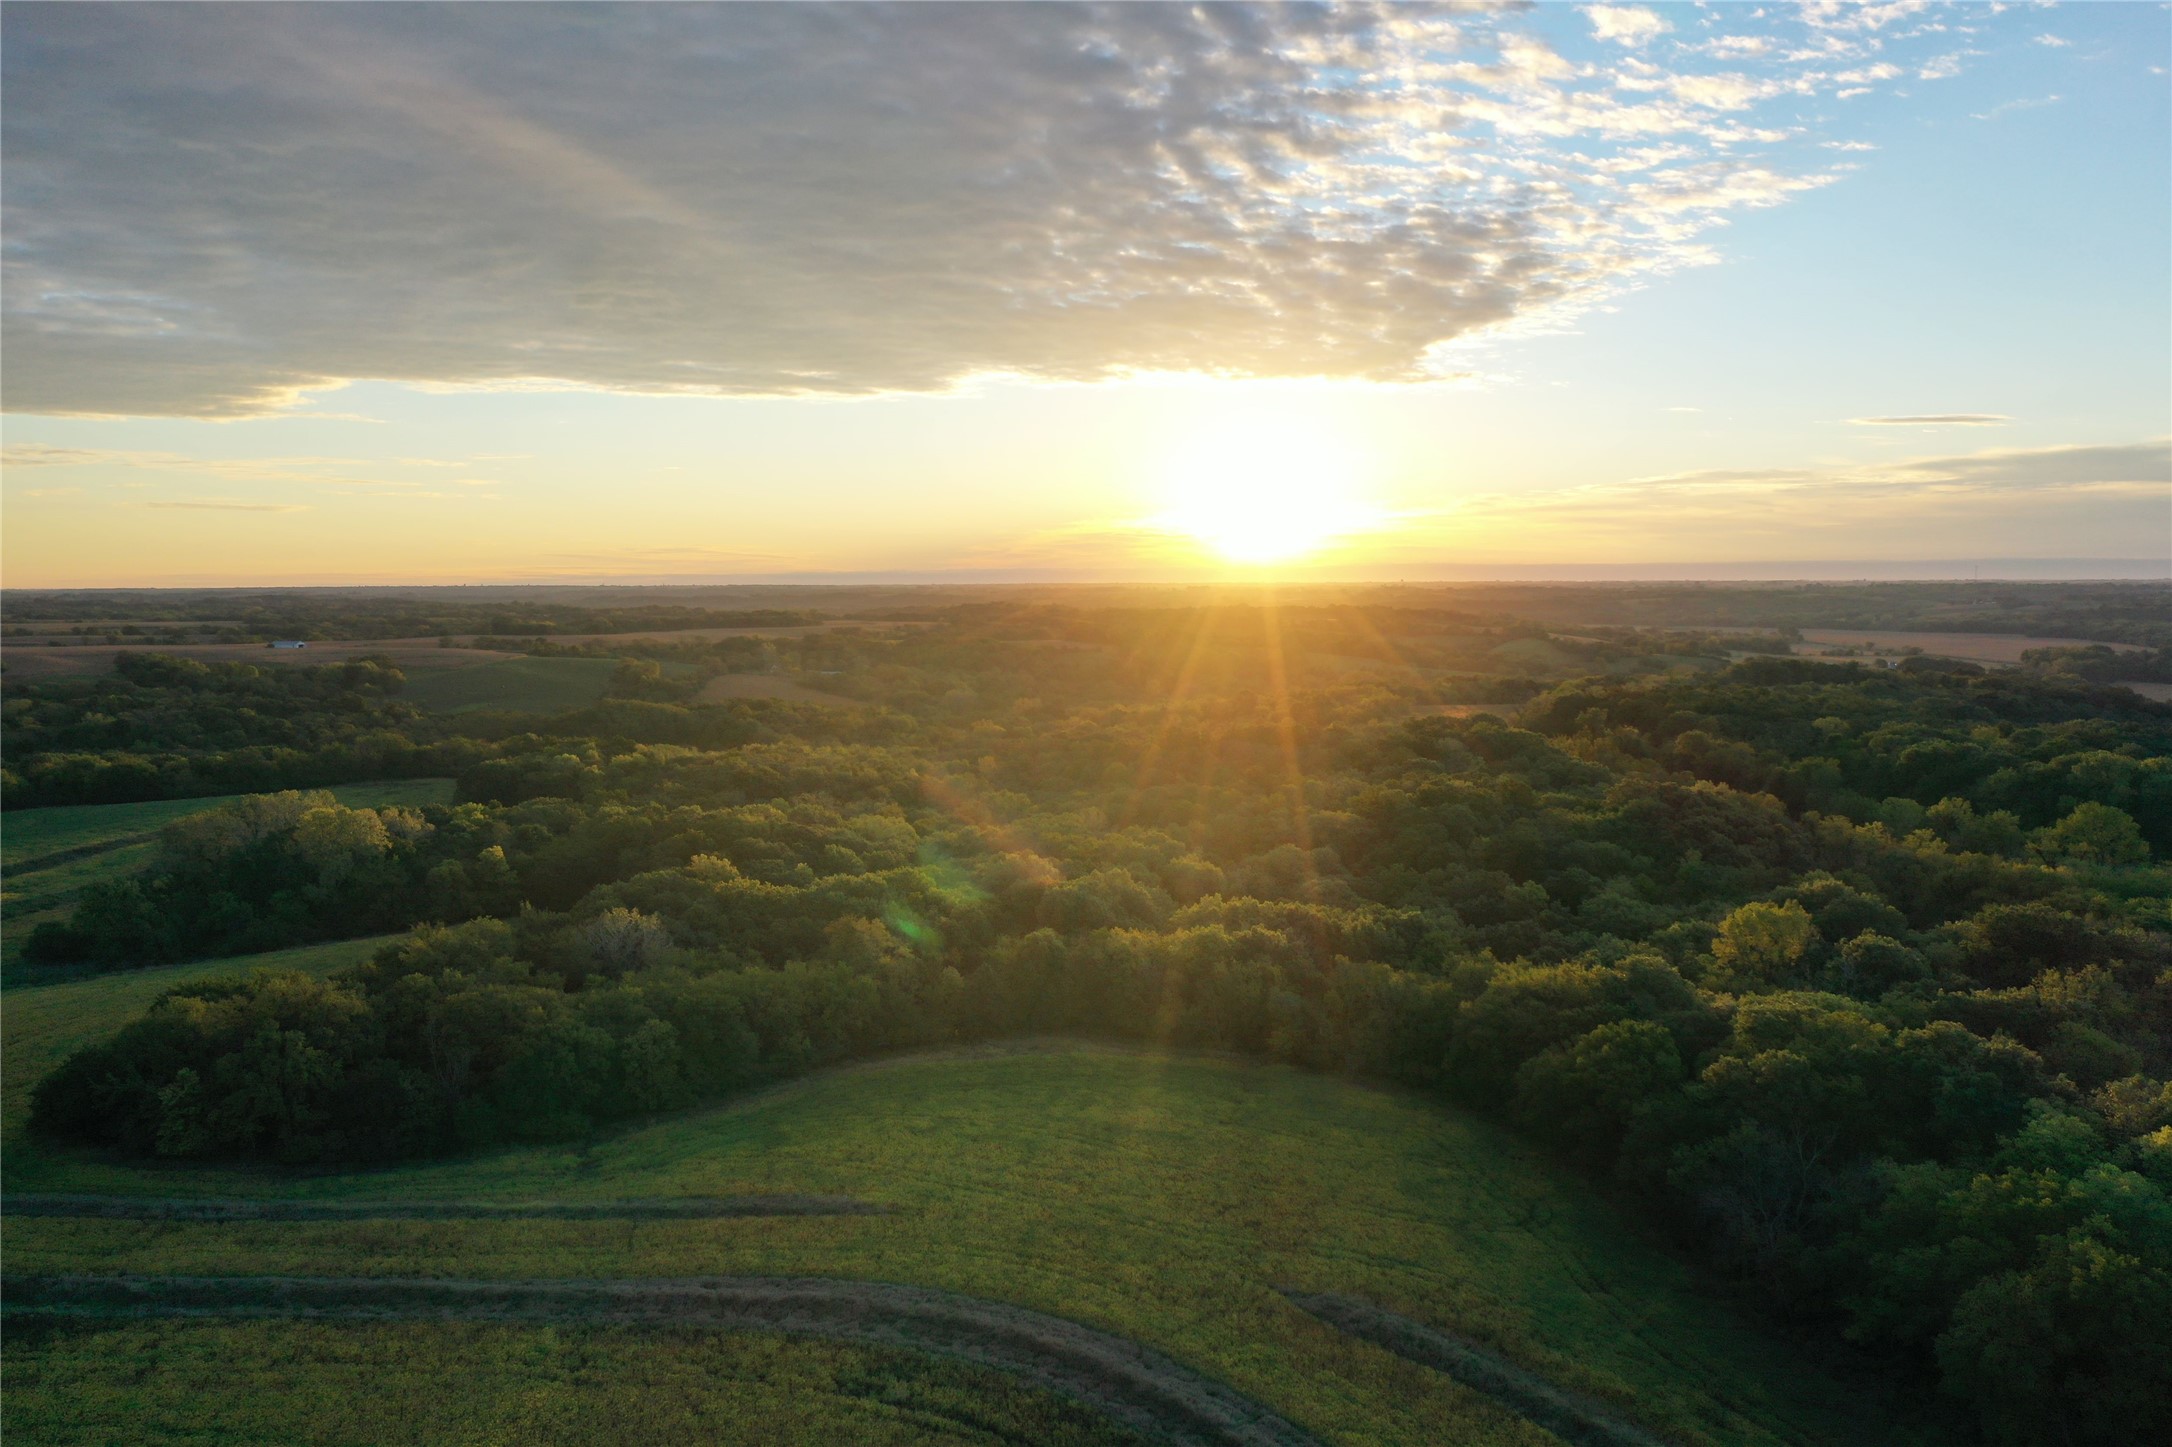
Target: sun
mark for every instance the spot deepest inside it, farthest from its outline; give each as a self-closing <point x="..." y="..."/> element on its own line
<point x="1264" y="489"/>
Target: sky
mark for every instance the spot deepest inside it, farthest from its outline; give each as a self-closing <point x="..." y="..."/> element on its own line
<point x="502" y="293"/>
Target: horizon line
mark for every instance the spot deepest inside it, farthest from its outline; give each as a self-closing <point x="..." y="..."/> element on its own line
<point x="1989" y="570"/>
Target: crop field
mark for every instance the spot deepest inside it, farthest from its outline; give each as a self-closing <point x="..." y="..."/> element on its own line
<point x="50" y="855"/>
<point x="885" y="628"/>
<point x="1166" y="1199"/>
<point x="36" y="662"/>
<point x="516" y="685"/>
<point x="726" y="687"/>
<point x="1973" y="647"/>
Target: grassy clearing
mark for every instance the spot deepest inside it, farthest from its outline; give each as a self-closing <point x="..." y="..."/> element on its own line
<point x="1537" y="655"/>
<point x="516" y="685"/>
<point x="40" y="1025"/>
<point x="48" y="890"/>
<point x="27" y="834"/>
<point x="1162" y="1198"/>
<point x="1974" y="647"/>
<point x="274" y="1383"/>
<point x="50" y="855"/>
<point x="1144" y="1390"/>
<point x="36" y="664"/>
<point x="727" y="687"/>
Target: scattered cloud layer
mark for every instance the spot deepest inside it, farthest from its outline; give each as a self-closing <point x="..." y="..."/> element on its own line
<point x="1936" y="419"/>
<point x="2009" y="107"/>
<point x="2077" y="501"/>
<point x="406" y="478"/>
<point x="213" y="209"/>
<point x="211" y="505"/>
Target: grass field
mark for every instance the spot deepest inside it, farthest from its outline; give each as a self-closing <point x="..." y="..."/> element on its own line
<point x="726" y="687"/>
<point x="49" y="855"/>
<point x="1162" y="1198"/>
<point x="1974" y="647"/>
<point x="33" y="663"/>
<point x="517" y="685"/>
<point x="27" y="833"/>
<point x="275" y="1383"/>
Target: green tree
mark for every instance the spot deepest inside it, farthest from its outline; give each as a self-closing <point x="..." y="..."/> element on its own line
<point x="1760" y="945"/>
<point x="2075" y="1348"/>
<point x="1584" y="1094"/>
<point x="2093" y="834"/>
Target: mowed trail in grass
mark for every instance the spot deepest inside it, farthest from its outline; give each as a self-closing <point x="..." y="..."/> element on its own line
<point x="49" y="855"/>
<point x="1160" y="1197"/>
<point x="516" y="685"/>
<point x="273" y="1383"/>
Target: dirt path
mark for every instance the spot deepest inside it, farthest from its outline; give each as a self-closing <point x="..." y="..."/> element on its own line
<point x="1140" y="1388"/>
<point x="676" y="1208"/>
<point x="1571" y="1418"/>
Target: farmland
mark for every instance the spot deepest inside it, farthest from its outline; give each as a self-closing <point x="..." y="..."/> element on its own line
<point x="728" y="686"/>
<point x="27" y="662"/>
<point x="275" y="1383"/>
<point x="1162" y="1197"/>
<point x="515" y="685"/>
<point x="1972" y="647"/>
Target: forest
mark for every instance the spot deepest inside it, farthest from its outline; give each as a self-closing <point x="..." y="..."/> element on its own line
<point x="1854" y="979"/>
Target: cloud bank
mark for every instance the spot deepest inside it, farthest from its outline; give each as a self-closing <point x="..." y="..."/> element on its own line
<point x="209" y="209"/>
<point x="1936" y="419"/>
<point x="2104" y="500"/>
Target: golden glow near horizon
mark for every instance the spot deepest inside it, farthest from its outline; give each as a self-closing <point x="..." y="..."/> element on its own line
<point x="1258" y="488"/>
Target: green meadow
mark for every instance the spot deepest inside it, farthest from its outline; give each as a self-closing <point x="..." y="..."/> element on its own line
<point x="271" y="1384"/>
<point x="515" y="685"/>
<point x="27" y="835"/>
<point x="1160" y="1197"/>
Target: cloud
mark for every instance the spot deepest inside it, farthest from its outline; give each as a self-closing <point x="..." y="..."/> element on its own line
<point x="2145" y="465"/>
<point x="213" y="505"/>
<point x="2083" y="465"/>
<point x="213" y="210"/>
<point x="1935" y="419"/>
<point x="1626" y="24"/>
<point x="2073" y="502"/>
<point x="2052" y="40"/>
<point x="1737" y="45"/>
<point x="313" y="471"/>
<point x="34" y="454"/>
<point x="2014" y="105"/>
<point x="1853" y="15"/>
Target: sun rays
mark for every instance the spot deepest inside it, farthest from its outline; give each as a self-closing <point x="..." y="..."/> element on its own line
<point x="1261" y="488"/>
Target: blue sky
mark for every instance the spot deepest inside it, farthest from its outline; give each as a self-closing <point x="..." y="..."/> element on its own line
<point x="1558" y="286"/>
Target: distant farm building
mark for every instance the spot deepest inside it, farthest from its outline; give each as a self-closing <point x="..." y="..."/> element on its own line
<point x="286" y="643"/>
